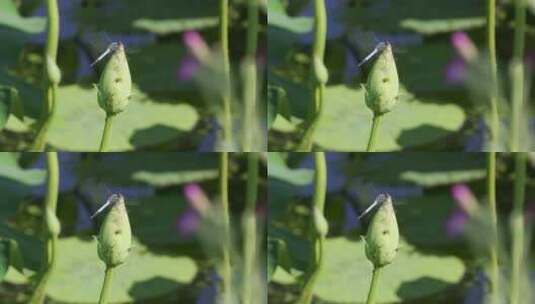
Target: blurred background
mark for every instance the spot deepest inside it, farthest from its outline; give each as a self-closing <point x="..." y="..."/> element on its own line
<point x="171" y="199"/>
<point x="175" y="102"/>
<point x="440" y="203"/>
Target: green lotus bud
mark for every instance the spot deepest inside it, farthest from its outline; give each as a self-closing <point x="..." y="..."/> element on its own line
<point x="115" y="86"/>
<point x="115" y="238"/>
<point x="52" y="223"/>
<point x="382" y="239"/>
<point x="321" y="73"/>
<point x="382" y="87"/>
<point x="53" y="72"/>
<point x="320" y="223"/>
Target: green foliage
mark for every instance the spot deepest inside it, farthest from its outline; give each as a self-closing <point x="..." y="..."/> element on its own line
<point x="145" y="275"/>
<point x="412" y="123"/>
<point x="78" y="122"/>
<point x="346" y="264"/>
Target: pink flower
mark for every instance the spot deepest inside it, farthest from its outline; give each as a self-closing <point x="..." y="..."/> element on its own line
<point x="455" y="72"/>
<point x="188" y="68"/>
<point x="196" y="45"/>
<point x="464" y="46"/>
<point x="464" y="197"/>
<point x="196" y="198"/>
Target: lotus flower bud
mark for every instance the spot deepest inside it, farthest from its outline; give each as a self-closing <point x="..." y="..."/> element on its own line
<point x="382" y="239"/>
<point x="115" y="84"/>
<point x="53" y="72"/>
<point x="320" y="223"/>
<point x="115" y="238"/>
<point x="382" y="87"/>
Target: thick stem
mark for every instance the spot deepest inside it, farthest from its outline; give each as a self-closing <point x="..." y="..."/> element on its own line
<point x="106" y="286"/>
<point x="493" y="247"/>
<point x="517" y="75"/>
<point x="373" y="285"/>
<point x="226" y="96"/>
<point x="249" y="228"/>
<point x="226" y="268"/>
<point x="491" y="41"/>
<point x="517" y="227"/>
<point x="249" y="78"/>
<point x="106" y="133"/>
<point x="317" y="237"/>
<point x="373" y="133"/>
<point x="49" y="222"/>
<point x="320" y="75"/>
<point x="51" y="52"/>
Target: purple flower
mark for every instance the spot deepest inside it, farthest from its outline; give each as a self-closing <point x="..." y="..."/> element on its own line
<point x="464" y="46"/>
<point x="196" y="45"/>
<point x="455" y="72"/>
<point x="188" y="223"/>
<point x="455" y="223"/>
<point x="196" y="198"/>
<point x="188" y="68"/>
<point x="464" y="197"/>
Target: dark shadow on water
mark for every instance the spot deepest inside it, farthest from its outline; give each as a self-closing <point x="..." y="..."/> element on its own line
<point x="145" y="137"/>
<point x="143" y="289"/>
<point x="425" y="286"/>
<point x="414" y="137"/>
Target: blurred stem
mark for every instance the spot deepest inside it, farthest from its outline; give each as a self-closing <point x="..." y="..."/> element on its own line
<point x="249" y="77"/>
<point x="106" y="285"/>
<point x="106" y="133"/>
<point x="226" y="270"/>
<point x="517" y="227"/>
<point x="373" y="133"/>
<point x="249" y="228"/>
<point x="491" y="40"/>
<point x="226" y="96"/>
<point x="517" y="74"/>
<point x="494" y="274"/>
<point x="51" y="224"/>
<point x="51" y="51"/>
<point x="317" y="236"/>
<point x="319" y="73"/>
<point x="373" y="285"/>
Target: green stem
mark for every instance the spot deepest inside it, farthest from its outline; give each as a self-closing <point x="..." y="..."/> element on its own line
<point x="320" y="75"/>
<point x="106" y="285"/>
<point x="517" y="227"/>
<point x="226" y="95"/>
<point x="226" y="268"/>
<point x="50" y="223"/>
<point x="249" y="77"/>
<point x="51" y="51"/>
<point x="493" y="247"/>
<point x="249" y="228"/>
<point x="517" y="75"/>
<point x="373" y="133"/>
<point x="317" y="236"/>
<point x="491" y="41"/>
<point x="106" y="133"/>
<point x="373" y="285"/>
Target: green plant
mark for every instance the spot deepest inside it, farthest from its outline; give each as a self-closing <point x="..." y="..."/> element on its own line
<point x="226" y="268"/>
<point x="114" y="90"/>
<point x="517" y="75"/>
<point x="382" y="240"/>
<point x="249" y="228"/>
<point x="382" y="89"/>
<point x="226" y="94"/>
<point x="51" y="226"/>
<point x="318" y="229"/>
<point x="52" y="76"/>
<point x="114" y="241"/>
<point x="320" y="75"/>
<point x="249" y="77"/>
<point x="517" y="228"/>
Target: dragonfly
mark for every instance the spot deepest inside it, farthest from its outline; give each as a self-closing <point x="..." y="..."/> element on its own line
<point x="379" y="200"/>
<point x="111" y="200"/>
<point x="112" y="47"/>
